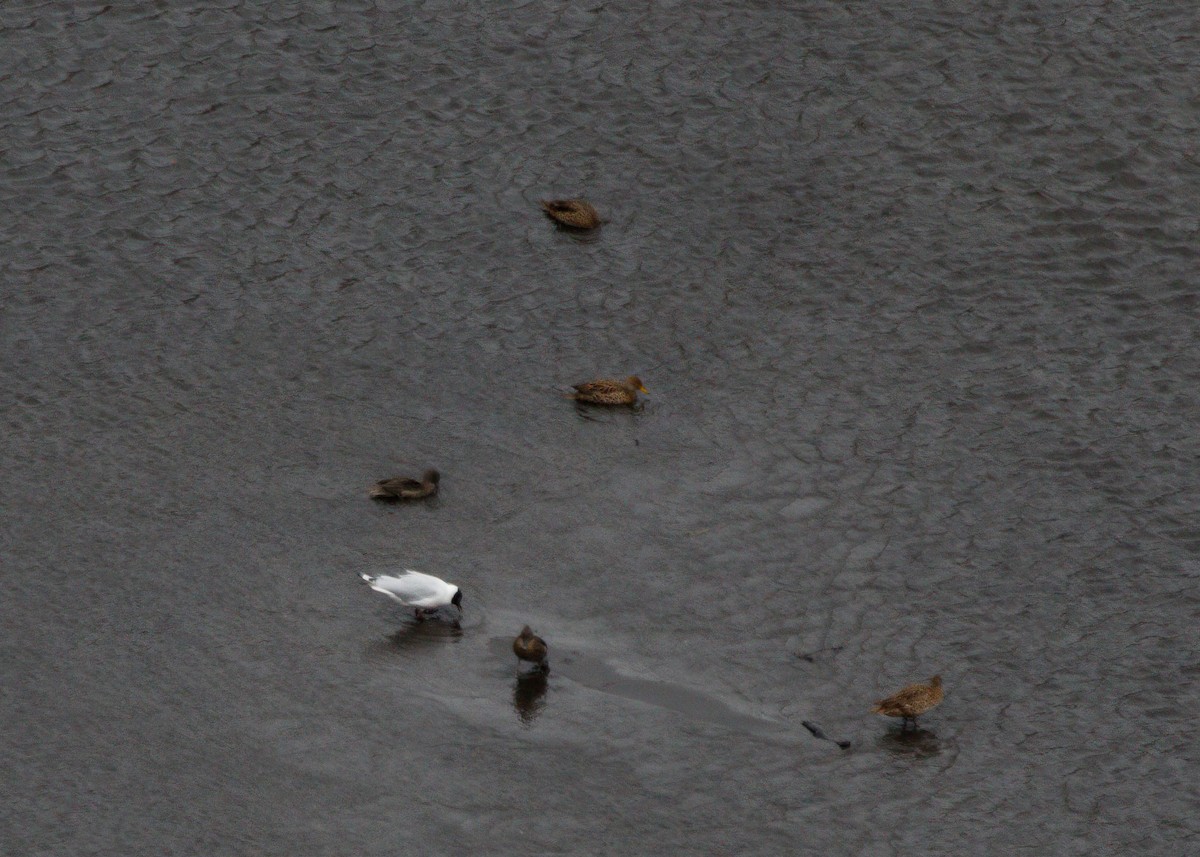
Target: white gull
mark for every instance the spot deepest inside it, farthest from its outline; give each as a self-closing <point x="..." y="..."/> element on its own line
<point x="423" y="592"/>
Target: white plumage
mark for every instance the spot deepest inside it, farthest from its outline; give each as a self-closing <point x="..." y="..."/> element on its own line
<point x="414" y="589"/>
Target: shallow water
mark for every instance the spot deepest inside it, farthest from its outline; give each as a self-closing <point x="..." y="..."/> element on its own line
<point x="913" y="290"/>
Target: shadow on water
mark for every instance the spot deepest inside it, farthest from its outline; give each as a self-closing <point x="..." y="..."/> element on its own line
<point x="594" y="413"/>
<point x="700" y="706"/>
<point x="597" y="675"/>
<point x="393" y="506"/>
<point x="916" y="743"/>
<point x="531" y="685"/>
<point x="414" y="634"/>
<point x="582" y="236"/>
<point x="529" y="693"/>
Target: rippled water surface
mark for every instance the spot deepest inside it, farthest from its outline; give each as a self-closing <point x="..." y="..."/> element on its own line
<point x="913" y="287"/>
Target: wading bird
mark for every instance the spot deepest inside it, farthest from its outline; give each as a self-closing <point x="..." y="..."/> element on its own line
<point x="912" y="701"/>
<point x="423" y="592"/>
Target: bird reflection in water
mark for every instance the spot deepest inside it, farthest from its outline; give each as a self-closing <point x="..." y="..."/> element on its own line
<point x="914" y="742"/>
<point x="529" y="694"/>
<point x="421" y="633"/>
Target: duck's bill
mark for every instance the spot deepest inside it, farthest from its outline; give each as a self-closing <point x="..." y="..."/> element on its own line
<point x="644" y="390"/>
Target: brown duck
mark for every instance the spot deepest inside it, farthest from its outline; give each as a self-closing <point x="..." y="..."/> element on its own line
<point x="528" y="646"/>
<point x="914" y="700"/>
<point x="572" y="213"/>
<point x="403" y="488"/>
<point x="607" y="391"/>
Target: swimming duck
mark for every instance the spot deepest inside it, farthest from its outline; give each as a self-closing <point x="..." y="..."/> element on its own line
<point x="572" y="213"/>
<point x="423" y="592"/>
<point x="528" y="646"/>
<point x="913" y="700"/>
<point x="404" y="488"/>
<point x="607" y="391"/>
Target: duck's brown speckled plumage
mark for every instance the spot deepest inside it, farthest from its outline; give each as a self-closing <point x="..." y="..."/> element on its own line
<point x="609" y="391"/>
<point x="528" y="646"/>
<point x="404" y="488"/>
<point x="574" y="213"/>
<point x="912" y="701"/>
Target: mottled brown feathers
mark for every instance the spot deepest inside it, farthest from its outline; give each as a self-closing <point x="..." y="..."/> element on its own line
<point x="572" y="213"/>
<point x="404" y="488"/>
<point x="912" y="701"/>
<point x="609" y="391"/>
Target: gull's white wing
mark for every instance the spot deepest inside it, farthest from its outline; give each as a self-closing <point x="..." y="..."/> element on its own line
<point x="414" y="589"/>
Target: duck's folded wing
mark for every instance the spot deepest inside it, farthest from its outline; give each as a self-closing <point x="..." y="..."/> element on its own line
<point x="597" y="387"/>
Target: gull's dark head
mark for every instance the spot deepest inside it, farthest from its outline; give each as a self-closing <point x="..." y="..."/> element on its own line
<point x="457" y="599"/>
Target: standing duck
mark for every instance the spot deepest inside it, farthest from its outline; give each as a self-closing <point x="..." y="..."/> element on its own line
<point x="572" y="213"/>
<point x="607" y="391"/>
<point x="404" y="488"/>
<point x="528" y="646"/>
<point x="912" y="701"/>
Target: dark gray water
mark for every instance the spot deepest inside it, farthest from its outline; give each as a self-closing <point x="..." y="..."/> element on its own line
<point x="914" y="290"/>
